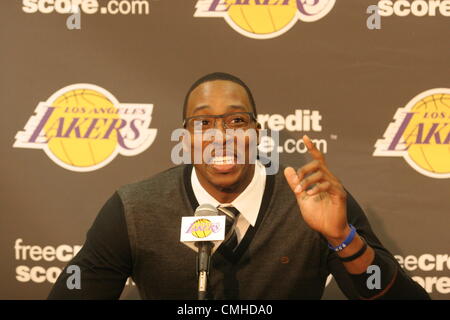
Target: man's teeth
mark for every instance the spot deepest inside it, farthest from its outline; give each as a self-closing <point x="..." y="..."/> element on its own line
<point x="222" y="160"/>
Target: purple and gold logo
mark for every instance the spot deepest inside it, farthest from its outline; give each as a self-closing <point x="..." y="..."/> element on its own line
<point x="420" y="134"/>
<point x="83" y="127"/>
<point x="202" y="228"/>
<point x="263" y="19"/>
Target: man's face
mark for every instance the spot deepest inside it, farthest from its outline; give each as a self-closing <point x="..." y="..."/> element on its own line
<point x="216" y="98"/>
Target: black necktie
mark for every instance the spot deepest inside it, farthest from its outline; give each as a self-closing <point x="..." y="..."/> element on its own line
<point x="232" y="215"/>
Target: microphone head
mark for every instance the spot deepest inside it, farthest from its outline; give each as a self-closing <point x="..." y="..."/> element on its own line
<point x="206" y="209"/>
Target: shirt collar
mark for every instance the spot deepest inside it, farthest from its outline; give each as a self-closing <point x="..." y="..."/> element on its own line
<point x="248" y="202"/>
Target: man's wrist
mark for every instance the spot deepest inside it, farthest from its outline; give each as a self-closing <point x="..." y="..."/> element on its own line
<point x="340" y="236"/>
<point x="360" y="264"/>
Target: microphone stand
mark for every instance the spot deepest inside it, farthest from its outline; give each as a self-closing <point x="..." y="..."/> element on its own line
<point x="203" y="262"/>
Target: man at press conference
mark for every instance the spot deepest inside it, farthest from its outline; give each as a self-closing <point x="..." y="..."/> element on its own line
<point x="291" y="229"/>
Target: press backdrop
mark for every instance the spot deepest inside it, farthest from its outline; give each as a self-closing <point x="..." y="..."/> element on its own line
<point x="90" y="100"/>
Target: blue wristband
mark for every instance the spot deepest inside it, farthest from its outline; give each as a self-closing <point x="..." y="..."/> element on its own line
<point x="346" y="242"/>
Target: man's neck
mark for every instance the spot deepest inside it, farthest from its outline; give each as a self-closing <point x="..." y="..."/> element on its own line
<point x="227" y="195"/>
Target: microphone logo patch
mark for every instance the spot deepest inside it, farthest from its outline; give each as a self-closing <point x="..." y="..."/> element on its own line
<point x="202" y="228"/>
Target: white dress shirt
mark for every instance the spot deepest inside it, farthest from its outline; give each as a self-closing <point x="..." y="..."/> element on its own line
<point x="248" y="202"/>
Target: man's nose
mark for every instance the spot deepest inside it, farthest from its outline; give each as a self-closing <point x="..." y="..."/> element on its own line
<point x="220" y="126"/>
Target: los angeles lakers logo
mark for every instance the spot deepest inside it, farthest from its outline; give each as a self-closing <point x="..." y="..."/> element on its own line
<point x="202" y="228"/>
<point x="264" y="19"/>
<point x="421" y="134"/>
<point x="83" y="127"/>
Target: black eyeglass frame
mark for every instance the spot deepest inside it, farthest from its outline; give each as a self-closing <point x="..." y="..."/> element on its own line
<point x="215" y="117"/>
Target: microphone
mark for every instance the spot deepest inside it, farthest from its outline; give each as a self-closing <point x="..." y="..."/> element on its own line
<point x="203" y="233"/>
<point x="204" y="252"/>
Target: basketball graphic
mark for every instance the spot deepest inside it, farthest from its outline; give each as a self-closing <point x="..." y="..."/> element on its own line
<point x="201" y="228"/>
<point x="263" y="19"/>
<point x="88" y="145"/>
<point x="83" y="127"/>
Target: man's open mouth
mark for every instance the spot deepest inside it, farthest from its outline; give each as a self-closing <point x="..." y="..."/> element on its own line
<point x="223" y="164"/>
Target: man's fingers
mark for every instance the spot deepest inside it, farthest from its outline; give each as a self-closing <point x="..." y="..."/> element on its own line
<point x="314" y="166"/>
<point x="308" y="168"/>
<point x="313" y="171"/>
<point x="314" y="175"/>
<point x="315" y="153"/>
<point x="291" y="177"/>
<point x="318" y="188"/>
<point x="310" y="180"/>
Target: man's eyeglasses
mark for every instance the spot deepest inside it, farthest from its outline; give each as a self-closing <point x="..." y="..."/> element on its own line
<point x="235" y="120"/>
